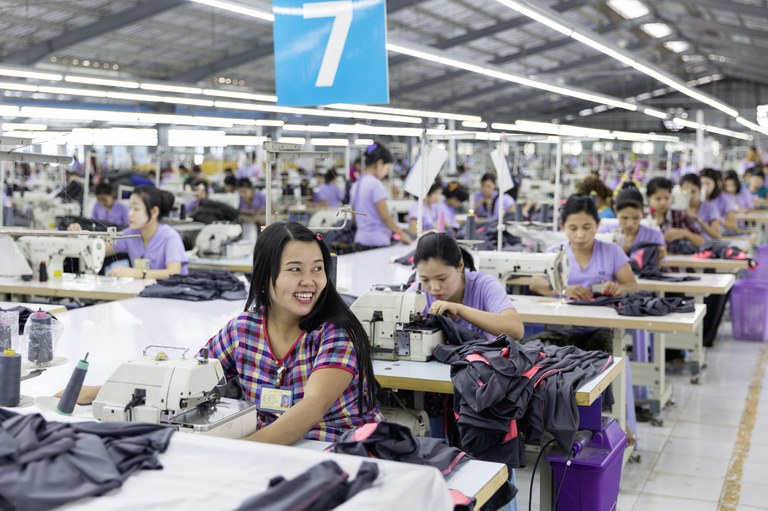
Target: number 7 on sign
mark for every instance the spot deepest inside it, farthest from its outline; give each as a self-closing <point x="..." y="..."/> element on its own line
<point x="341" y="12"/>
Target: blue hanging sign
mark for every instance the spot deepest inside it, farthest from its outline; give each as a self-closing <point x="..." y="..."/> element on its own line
<point x="330" y="52"/>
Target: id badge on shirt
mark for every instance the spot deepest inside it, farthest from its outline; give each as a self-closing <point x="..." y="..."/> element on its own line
<point x="141" y="263"/>
<point x="275" y="400"/>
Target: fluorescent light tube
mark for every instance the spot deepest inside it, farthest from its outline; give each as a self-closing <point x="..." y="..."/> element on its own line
<point x="101" y="81"/>
<point x="17" y="126"/>
<point x="629" y="9"/>
<point x="35" y="75"/>
<point x="657" y="30"/>
<point x="333" y="142"/>
<point x="677" y="46"/>
<point x="171" y="88"/>
<point x="238" y="8"/>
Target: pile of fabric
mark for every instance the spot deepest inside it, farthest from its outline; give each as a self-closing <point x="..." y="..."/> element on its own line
<point x="200" y="286"/>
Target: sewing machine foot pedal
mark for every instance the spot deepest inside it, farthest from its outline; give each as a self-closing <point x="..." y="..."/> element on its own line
<point x="635" y="458"/>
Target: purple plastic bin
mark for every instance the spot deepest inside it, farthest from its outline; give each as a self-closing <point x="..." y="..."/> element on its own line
<point x="762" y="251"/>
<point x="749" y="307"/>
<point x="760" y="273"/>
<point x="591" y="483"/>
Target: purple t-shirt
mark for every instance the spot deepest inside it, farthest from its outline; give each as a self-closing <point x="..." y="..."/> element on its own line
<point x="165" y="247"/>
<point x="481" y="292"/>
<point x="428" y="215"/>
<point x="644" y="235"/>
<point x="480" y="209"/>
<point x="744" y="199"/>
<point x="449" y="214"/>
<point x="249" y="171"/>
<point x="259" y="201"/>
<point x="371" y="229"/>
<point x="330" y="193"/>
<point x="117" y="215"/>
<point x="708" y="213"/>
<point x="724" y="204"/>
<point x="607" y="259"/>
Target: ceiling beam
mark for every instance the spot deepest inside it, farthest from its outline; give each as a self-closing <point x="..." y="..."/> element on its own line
<point x="718" y="27"/>
<point x="38" y="51"/>
<point x="522" y="53"/>
<point x="219" y="65"/>
<point x="730" y="6"/>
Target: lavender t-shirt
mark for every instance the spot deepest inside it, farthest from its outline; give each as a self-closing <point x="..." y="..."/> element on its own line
<point x="117" y="215"/>
<point x="371" y="229"/>
<point x="724" y="204"/>
<point x="506" y="201"/>
<point x="708" y="213"/>
<point x="165" y="247"/>
<point x="259" y="201"/>
<point x="481" y="292"/>
<point x="644" y="235"/>
<point x="607" y="259"/>
<point x="330" y="193"/>
<point x="429" y="215"/>
<point x="744" y="199"/>
<point x="449" y="213"/>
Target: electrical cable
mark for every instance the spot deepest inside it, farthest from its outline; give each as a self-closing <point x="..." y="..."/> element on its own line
<point x="533" y="474"/>
<point x="562" y="479"/>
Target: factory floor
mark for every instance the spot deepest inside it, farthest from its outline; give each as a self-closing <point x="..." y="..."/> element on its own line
<point x="712" y="452"/>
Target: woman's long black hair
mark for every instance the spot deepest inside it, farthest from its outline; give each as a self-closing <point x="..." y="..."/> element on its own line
<point x="714" y="175"/>
<point x="329" y="307"/>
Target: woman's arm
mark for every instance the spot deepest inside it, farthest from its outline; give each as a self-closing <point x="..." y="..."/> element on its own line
<point x="383" y="210"/>
<point x="124" y="271"/>
<point x="495" y="323"/>
<point x="625" y="282"/>
<point x="712" y="228"/>
<point x="324" y="387"/>
<point x="730" y="221"/>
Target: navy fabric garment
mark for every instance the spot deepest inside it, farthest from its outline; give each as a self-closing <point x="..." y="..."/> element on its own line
<point x="642" y="303"/>
<point x="644" y="260"/>
<point x="47" y="464"/>
<point x="323" y="486"/>
<point x="454" y="332"/>
<point x="505" y="392"/>
<point x="199" y="286"/>
<point x="391" y="441"/>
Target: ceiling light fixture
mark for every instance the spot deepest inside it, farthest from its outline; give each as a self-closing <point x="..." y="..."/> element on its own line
<point x="101" y="81"/>
<point x="238" y="8"/>
<point x="562" y="25"/>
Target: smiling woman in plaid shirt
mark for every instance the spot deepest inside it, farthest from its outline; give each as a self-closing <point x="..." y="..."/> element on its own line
<point x="298" y="350"/>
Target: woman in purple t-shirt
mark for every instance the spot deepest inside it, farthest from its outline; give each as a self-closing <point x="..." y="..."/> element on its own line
<point x="430" y="210"/>
<point x="721" y="201"/>
<point x="376" y="226"/>
<point x="486" y="200"/>
<point x="702" y="212"/>
<point x="592" y="263"/>
<point x="474" y="299"/>
<point x="329" y="195"/>
<point x="629" y="232"/>
<point x="159" y="252"/>
<point x="739" y="193"/>
<point x="108" y="208"/>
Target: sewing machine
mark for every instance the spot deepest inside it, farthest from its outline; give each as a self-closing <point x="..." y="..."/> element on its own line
<point x="222" y="240"/>
<point x="541" y="236"/>
<point x="54" y="249"/>
<point x="388" y="316"/>
<point x="178" y="393"/>
<point x="502" y="265"/>
<point x="13" y="262"/>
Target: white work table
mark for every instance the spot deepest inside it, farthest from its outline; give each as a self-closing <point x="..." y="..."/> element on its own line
<point x="358" y="271"/>
<point x="707" y="284"/>
<point x="238" y="264"/>
<point x="718" y="265"/>
<point x="204" y="472"/>
<point x="93" y="287"/>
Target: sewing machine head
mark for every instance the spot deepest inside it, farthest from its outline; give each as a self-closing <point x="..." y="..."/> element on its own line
<point x="387" y="316"/>
<point x="177" y="392"/>
<point x="90" y="250"/>
<point x="502" y="265"/>
<point x="222" y="240"/>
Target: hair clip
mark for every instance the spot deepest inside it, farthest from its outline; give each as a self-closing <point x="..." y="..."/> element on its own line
<point x="371" y="148"/>
<point x="319" y="236"/>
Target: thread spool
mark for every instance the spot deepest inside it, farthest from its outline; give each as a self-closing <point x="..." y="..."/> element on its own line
<point x="40" y="347"/>
<point x="72" y="391"/>
<point x="10" y="378"/>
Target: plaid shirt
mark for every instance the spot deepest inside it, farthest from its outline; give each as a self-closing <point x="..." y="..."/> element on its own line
<point x="243" y="348"/>
<point x="676" y="219"/>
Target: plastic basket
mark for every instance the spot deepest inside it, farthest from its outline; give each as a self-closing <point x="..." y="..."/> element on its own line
<point x="749" y="310"/>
